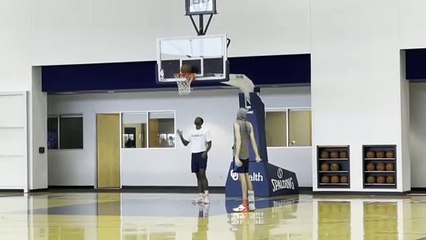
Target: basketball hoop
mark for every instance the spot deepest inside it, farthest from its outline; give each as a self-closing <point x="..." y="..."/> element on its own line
<point x="183" y="82"/>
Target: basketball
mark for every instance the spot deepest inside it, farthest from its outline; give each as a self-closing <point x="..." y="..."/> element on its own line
<point x="325" y="167"/>
<point x="380" y="154"/>
<point x="186" y="68"/>
<point x="324" y="154"/>
<point x="390" y="154"/>
<point x="390" y="179"/>
<point x="325" y="179"/>
<point x="370" y="154"/>
<point x="343" y="154"/>
<point x="371" y="179"/>
<point x="380" y="167"/>
<point x="334" y="154"/>
<point x="389" y="166"/>
<point x="334" y="167"/>
<point x="371" y="167"/>
<point x="334" y="179"/>
<point x="344" y="179"/>
<point x="381" y="179"/>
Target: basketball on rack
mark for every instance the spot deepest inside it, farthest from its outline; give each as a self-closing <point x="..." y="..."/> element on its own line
<point x="343" y="154"/>
<point x="389" y="166"/>
<point x="390" y="179"/>
<point x="324" y="154"/>
<point x="334" y="154"/>
<point x="334" y="167"/>
<point x="325" y="179"/>
<point x="390" y="154"/>
<point x="381" y="179"/>
<point x="371" y="179"/>
<point x="325" y="167"/>
<point x="370" y="154"/>
<point x="371" y="167"/>
<point x="380" y="167"/>
<point x="335" y="179"/>
<point x="380" y="154"/>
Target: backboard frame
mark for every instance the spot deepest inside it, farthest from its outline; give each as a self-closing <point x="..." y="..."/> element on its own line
<point x="163" y="74"/>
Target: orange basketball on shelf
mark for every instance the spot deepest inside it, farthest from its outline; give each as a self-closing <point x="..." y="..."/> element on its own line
<point x="389" y="167"/>
<point x="343" y="154"/>
<point x="381" y="179"/>
<point x="344" y="179"/>
<point x="390" y="154"/>
<point x="370" y="154"/>
<point x="380" y="167"/>
<point x="334" y="179"/>
<point x="334" y="154"/>
<point x="371" y="179"/>
<point x="325" y="167"/>
<point x="324" y="154"/>
<point x="371" y="167"/>
<point x="380" y="154"/>
<point x="334" y="167"/>
<point x="390" y="179"/>
<point x="325" y="179"/>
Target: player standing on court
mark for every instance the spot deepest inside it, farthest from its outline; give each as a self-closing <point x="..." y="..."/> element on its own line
<point x="200" y="145"/>
<point x="243" y="133"/>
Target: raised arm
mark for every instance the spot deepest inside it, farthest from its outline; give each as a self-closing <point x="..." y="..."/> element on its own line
<point x="184" y="141"/>
<point x="254" y="144"/>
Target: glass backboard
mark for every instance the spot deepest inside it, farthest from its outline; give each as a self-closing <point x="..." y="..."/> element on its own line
<point x="206" y="56"/>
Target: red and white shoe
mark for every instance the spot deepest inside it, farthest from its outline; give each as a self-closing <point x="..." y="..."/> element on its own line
<point x="241" y="208"/>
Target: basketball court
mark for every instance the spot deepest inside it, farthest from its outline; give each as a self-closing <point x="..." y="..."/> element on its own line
<point x="78" y="215"/>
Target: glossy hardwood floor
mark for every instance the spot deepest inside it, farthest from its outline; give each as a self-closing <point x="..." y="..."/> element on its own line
<point x="141" y="216"/>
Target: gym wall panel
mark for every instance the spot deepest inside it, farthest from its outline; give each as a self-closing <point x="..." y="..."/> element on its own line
<point x="152" y="167"/>
<point x="411" y="19"/>
<point x="356" y="80"/>
<point x="95" y="31"/>
<point x="13" y="141"/>
<point x="15" y="39"/>
<point x="38" y="136"/>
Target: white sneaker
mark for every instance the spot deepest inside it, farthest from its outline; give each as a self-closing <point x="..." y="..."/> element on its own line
<point x="199" y="199"/>
<point x="252" y="206"/>
<point x="240" y="208"/>
<point x="206" y="199"/>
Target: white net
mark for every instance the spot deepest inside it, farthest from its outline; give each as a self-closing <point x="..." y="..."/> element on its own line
<point x="184" y="86"/>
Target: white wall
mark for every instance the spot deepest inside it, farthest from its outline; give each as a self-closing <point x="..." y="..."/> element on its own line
<point x="87" y="31"/>
<point x="150" y="167"/>
<point x="38" y="136"/>
<point x="15" y="39"/>
<point x="356" y="82"/>
<point x="411" y="19"/>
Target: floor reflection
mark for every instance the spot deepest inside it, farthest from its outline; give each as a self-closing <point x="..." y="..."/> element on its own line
<point x="136" y="216"/>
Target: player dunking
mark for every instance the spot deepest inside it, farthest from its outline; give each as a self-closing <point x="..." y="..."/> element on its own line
<point x="200" y="146"/>
<point x="243" y="133"/>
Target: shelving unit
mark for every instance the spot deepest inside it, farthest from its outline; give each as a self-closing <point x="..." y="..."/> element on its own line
<point x="379" y="166"/>
<point x="333" y="166"/>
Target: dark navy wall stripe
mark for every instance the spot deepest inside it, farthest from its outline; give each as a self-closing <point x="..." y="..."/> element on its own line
<point x="415" y="61"/>
<point x="263" y="70"/>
